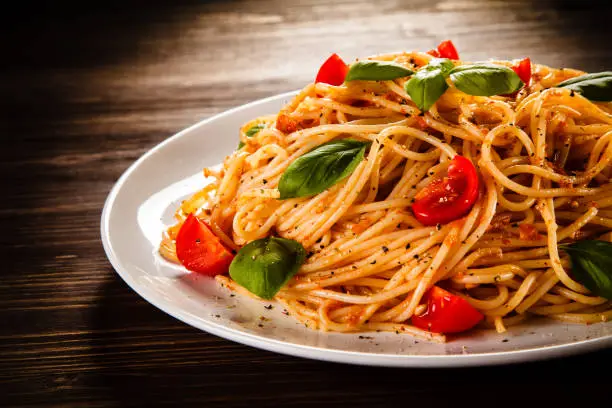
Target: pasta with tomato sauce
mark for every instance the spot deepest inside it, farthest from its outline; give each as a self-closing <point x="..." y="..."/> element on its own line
<point x="418" y="193"/>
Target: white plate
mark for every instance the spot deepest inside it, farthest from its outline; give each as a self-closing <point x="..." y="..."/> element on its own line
<point x="143" y="201"/>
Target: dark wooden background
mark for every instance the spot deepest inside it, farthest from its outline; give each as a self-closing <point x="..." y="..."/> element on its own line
<point x="86" y="89"/>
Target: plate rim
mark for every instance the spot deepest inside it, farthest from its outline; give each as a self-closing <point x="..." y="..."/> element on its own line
<point x="530" y="354"/>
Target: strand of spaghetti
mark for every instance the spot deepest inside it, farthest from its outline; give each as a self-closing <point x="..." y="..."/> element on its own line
<point x="518" y="296"/>
<point x="488" y="304"/>
<point x="346" y="274"/>
<point x="407" y="186"/>
<point x="491" y="270"/>
<point x="475" y="255"/>
<point x="363" y="300"/>
<point x="294" y="217"/>
<point x="593" y="168"/>
<point x="597" y="152"/>
<point x="369" y="282"/>
<point x="577" y="297"/>
<point x="227" y="187"/>
<point x="337" y="253"/>
<point x="365" y="227"/>
<point x="403" y="151"/>
<point x="403" y="109"/>
<point x="565" y="232"/>
<point x="351" y="110"/>
<point x="346" y="197"/>
<point x="395" y="313"/>
<point x="539" y="263"/>
<point x="300" y="313"/>
<point x="413" y="268"/>
<point x="589" y="131"/>
<point x="367" y="268"/>
<point x="362" y="252"/>
<point x="504" y="322"/>
<point x="374" y="178"/>
<point x="471" y="220"/>
<point x="322" y="222"/>
<point x="404" y="130"/>
<point x="487" y="216"/>
<point x="557" y="309"/>
<point x="326" y="322"/>
<point x="393" y="168"/>
<point x="547" y="211"/>
<point x="584" y="318"/>
<point x="566" y="215"/>
<point x="514" y="206"/>
<point x="407" y="329"/>
<point x="450" y="241"/>
<point x="498" y="323"/>
<point x="378" y="205"/>
<point x="487" y="162"/>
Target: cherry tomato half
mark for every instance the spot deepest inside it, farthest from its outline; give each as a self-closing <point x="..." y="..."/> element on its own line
<point x="199" y="250"/>
<point x="333" y="71"/>
<point x="523" y="70"/>
<point x="446" y="49"/>
<point x="446" y="313"/>
<point x="449" y="198"/>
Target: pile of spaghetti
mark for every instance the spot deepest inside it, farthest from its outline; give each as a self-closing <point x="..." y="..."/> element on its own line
<point x="502" y="182"/>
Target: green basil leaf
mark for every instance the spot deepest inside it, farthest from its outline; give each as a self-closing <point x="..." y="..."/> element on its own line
<point x="252" y="131"/>
<point x="596" y="87"/>
<point x="376" y="71"/>
<point x="266" y="265"/>
<point x="591" y="262"/>
<point x="429" y="83"/>
<point x="485" y="79"/>
<point x="321" y="168"/>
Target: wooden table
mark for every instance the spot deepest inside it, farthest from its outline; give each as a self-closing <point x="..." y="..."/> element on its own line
<point x="86" y="90"/>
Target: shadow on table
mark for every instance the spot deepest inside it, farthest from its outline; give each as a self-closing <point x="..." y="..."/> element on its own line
<point x="146" y="357"/>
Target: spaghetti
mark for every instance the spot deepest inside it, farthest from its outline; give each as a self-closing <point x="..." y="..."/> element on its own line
<point x="543" y="157"/>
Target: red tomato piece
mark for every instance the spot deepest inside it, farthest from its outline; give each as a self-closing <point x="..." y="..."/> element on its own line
<point x="333" y="71"/>
<point x="447" y="49"/>
<point x="446" y="313"/>
<point x="445" y="200"/>
<point x="285" y="124"/>
<point x="420" y="123"/>
<point x="523" y="70"/>
<point x="201" y="251"/>
<point x="434" y="53"/>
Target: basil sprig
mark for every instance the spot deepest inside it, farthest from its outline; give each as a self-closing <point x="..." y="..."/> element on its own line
<point x="252" y="131"/>
<point x="266" y="265"/>
<point x="321" y="168"/>
<point x="376" y="71"/>
<point x="429" y="83"/>
<point x="596" y="86"/>
<point x="485" y="79"/>
<point x="591" y="263"/>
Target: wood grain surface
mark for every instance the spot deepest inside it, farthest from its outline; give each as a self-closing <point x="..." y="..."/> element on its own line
<point x="86" y="89"/>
